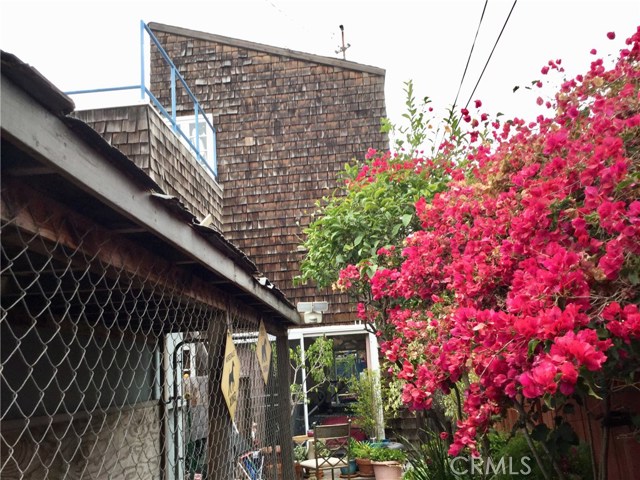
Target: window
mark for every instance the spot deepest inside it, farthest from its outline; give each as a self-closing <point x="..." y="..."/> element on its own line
<point x="205" y="143"/>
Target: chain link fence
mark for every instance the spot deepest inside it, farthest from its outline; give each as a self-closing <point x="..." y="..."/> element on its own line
<point x="112" y="368"/>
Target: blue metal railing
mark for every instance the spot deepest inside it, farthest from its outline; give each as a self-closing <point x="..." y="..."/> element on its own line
<point x="211" y="163"/>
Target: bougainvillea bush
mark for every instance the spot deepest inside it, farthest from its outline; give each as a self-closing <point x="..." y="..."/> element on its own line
<point x="523" y="279"/>
<point x="521" y="283"/>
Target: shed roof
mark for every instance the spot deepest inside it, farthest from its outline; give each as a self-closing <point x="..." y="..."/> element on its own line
<point x="336" y="62"/>
<point x="78" y="166"/>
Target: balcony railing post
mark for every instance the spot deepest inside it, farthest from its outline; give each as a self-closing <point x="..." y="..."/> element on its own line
<point x="210" y="162"/>
<point x="142" y="79"/>
<point x="196" y="109"/>
<point x="215" y="152"/>
<point x="173" y="98"/>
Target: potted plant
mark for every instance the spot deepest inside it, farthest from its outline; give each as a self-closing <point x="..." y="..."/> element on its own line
<point x="388" y="463"/>
<point x="366" y="388"/>
<point x="299" y="455"/>
<point x="350" y="469"/>
<point x="361" y="451"/>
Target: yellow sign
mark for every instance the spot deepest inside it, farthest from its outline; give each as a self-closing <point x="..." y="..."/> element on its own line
<point x="230" y="382"/>
<point x="264" y="352"/>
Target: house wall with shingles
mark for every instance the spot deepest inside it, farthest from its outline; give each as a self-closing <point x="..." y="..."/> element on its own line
<point x="141" y="134"/>
<point x="287" y="123"/>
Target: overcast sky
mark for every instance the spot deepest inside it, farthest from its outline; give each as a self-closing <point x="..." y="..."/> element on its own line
<point x="94" y="43"/>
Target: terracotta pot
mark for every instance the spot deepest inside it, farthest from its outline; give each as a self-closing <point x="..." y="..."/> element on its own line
<point x="387" y="470"/>
<point x="365" y="468"/>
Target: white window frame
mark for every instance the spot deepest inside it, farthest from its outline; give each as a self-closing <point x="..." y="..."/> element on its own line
<point x="187" y="124"/>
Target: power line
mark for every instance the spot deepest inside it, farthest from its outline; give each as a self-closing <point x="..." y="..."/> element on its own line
<point x="278" y="9"/>
<point x="491" y="54"/>
<point x="455" y="102"/>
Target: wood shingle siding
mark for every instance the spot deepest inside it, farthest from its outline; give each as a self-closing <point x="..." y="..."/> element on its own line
<point x="287" y="123"/>
<point x="141" y="134"/>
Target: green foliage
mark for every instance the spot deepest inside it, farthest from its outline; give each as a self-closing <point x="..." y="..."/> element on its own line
<point x="382" y="454"/>
<point x="516" y="449"/>
<point x="318" y="364"/>
<point x="346" y="365"/>
<point x="413" y="133"/>
<point x="391" y="389"/>
<point x="361" y="449"/>
<point x="299" y="453"/>
<point x="574" y="461"/>
<point x="352" y="225"/>
<point x="376" y="207"/>
<point x="320" y="449"/>
<point x="366" y="405"/>
<point x="430" y="461"/>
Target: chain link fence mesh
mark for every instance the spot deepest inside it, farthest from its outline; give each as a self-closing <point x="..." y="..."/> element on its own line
<point x="112" y="370"/>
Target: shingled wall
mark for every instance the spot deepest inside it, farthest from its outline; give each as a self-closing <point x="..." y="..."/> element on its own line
<point x="141" y="134"/>
<point x="287" y="123"/>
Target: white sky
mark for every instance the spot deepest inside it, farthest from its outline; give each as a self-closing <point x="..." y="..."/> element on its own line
<point x="95" y="43"/>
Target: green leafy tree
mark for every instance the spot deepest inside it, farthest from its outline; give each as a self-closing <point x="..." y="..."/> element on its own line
<point x="316" y="364"/>
<point x="354" y="229"/>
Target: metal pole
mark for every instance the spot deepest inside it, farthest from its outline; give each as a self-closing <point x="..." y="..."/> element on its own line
<point x="176" y="430"/>
<point x="305" y="406"/>
<point x="179" y="401"/>
<point x="142" y="92"/>
<point x="173" y="98"/>
<point x="196" y="109"/>
<point x="215" y="153"/>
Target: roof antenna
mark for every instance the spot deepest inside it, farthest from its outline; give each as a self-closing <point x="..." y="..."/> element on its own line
<point x="343" y="49"/>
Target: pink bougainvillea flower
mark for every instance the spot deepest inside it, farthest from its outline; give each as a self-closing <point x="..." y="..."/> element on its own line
<point x="611" y="35"/>
<point x="521" y="278"/>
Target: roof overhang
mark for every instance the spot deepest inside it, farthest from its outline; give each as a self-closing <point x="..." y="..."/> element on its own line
<point x="31" y="123"/>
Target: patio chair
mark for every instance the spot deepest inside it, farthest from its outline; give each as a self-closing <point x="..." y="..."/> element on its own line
<point x="251" y="464"/>
<point x="331" y="447"/>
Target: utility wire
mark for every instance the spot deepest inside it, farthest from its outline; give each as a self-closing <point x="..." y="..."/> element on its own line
<point x="455" y="102"/>
<point x="491" y="54"/>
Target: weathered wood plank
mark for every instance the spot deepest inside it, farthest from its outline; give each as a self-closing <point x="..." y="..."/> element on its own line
<point x="284" y="410"/>
<point x="56" y="223"/>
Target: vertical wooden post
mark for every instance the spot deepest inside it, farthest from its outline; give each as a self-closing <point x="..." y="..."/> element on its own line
<point x="284" y="408"/>
<point x="221" y="463"/>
